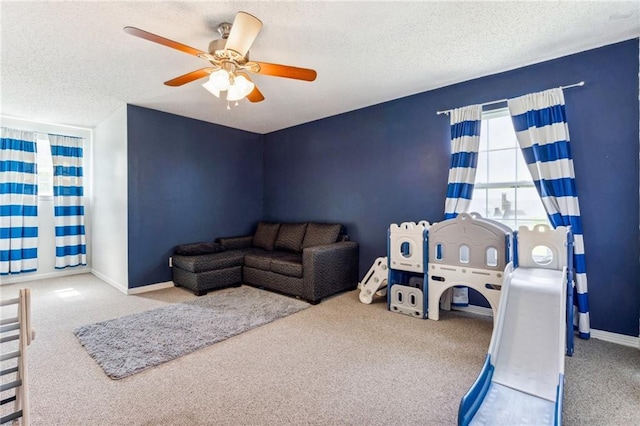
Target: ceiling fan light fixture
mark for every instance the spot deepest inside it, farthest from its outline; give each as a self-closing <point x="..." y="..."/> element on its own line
<point x="244" y="86"/>
<point x="234" y="94"/>
<point x="211" y="87"/>
<point x="240" y="88"/>
<point x="220" y="79"/>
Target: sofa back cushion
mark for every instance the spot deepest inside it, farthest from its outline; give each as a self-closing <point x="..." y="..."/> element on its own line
<point x="196" y="249"/>
<point x="319" y="234"/>
<point x="290" y="237"/>
<point x="265" y="236"/>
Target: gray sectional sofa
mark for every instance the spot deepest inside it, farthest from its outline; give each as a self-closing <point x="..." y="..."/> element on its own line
<point x="306" y="260"/>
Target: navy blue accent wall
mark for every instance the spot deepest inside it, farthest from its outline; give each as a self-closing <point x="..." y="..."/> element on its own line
<point x="189" y="181"/>
<point x="389" y="163"/>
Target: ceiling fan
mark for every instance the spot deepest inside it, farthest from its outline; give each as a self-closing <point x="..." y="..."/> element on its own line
<point x="229" y="60"/>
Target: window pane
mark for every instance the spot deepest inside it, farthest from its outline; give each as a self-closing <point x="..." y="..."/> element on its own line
<point x="482" y="170"/>
<point x="479" y="202"/>
<point x="530" y="206"/>
<point x="483" y="135"/>
<point x="501" y="133"/>
<point x="45" y="168"/>
<point x="501" y="203"/>
<point x="502" y="166"/>
<point x="521" y="166"/>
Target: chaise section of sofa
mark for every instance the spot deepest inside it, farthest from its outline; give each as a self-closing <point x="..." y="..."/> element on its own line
<point x="311" y="261"/>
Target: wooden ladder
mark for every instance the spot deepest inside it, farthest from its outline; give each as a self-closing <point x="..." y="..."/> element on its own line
<point x="15" y="335"/>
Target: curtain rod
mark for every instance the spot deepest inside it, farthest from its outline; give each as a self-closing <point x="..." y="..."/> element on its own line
<point x="47" y="133"/>
<point x="506" y="99"/>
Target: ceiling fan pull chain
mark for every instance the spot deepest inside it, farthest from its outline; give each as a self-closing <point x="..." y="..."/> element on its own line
<point x="237" y="103"/>
<point x="228" y="107"/>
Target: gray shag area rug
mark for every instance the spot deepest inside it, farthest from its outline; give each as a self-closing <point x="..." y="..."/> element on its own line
<point x="130" y="344"/>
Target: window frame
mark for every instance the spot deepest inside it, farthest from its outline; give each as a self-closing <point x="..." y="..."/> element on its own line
<point x="514" y="185"/>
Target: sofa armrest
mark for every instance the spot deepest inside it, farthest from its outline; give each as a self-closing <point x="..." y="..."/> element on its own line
<point x="329" y="269"/>
<point x="235" y="243"/>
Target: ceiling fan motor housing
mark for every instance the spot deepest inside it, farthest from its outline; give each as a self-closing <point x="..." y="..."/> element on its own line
<point x="217" y="49"/>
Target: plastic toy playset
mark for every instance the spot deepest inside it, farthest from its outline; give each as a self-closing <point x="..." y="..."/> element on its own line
<point x="526" y="276"/>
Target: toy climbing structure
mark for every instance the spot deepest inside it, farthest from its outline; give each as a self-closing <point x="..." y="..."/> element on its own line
<point x="407" y="252"/>
<point x="527" y="278"/>
<point x="467" y="251"/>
<point x="522" y="380"/>
<point x="374" y="281"/>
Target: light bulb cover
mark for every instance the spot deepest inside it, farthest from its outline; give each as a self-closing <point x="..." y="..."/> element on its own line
<point x="221" y="79"/>
<point x="212" y="88"/>
<point x="233" y="93"/>
<point x="244" y="85"/>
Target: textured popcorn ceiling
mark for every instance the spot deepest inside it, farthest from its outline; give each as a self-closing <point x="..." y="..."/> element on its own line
<point x="71" y="63"/>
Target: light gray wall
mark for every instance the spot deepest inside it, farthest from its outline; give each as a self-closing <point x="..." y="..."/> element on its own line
<point x="109" y="209"/>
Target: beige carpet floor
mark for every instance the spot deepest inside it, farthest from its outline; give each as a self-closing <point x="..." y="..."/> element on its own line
<point x="340" y="362"/>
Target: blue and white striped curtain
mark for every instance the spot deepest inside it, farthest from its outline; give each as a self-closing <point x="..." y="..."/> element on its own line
<point x="465" y="140"/>
<point x="68" y="193"/>
<point x="18" y="202"/>
<point x="541" y="127"/>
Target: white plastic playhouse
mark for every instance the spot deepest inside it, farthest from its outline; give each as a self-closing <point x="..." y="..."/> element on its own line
<point x="525" y="276"/>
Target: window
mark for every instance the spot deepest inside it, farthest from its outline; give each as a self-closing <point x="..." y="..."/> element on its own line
<point x="45" y="167"/>
<point x="504" y="190"/>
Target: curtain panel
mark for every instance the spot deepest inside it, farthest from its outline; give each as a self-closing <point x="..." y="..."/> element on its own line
<point x="542" y="131"/>
<point x="18" y="202"/>
<point x="68" y="196"/>
<point x="465" y="140"/>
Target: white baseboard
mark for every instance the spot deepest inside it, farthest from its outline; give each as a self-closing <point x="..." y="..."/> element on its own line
<point x="150" y="287"/>
<point x="135" y="290"/>
<point x="474" y="309"/>
<point x="607" y="336"/>
<point x="620" y="339"/>
<point x="46" y="275"/>
<point x="120" y="287"/>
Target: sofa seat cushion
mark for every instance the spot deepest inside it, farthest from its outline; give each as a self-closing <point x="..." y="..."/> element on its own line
<point x="262" y="260"/>
<point x="319" y="234"/>
<point x="290" y="237"/>
<point x="209" y="262"/>
<point x="290" y="265"/>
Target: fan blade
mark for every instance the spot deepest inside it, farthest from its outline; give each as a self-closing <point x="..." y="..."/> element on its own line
<point x="189" y="77"/>
<point x="256" y="95"/>
<point x="244" y="31"/>
<point x="286" y="71"/>
<point x="164" y="41"/>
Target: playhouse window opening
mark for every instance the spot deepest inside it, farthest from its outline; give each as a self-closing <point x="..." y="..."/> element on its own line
<point x="492" y="256"/>
<point x="465" y="255"/>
